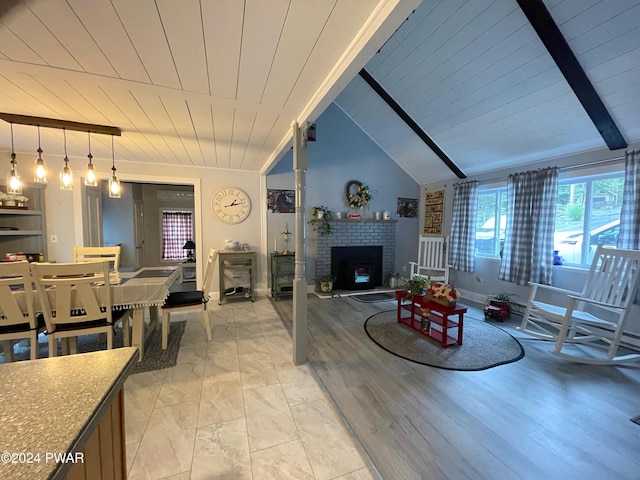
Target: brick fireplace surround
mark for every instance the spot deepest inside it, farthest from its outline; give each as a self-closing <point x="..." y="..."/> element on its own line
<point x="351" y="233"/>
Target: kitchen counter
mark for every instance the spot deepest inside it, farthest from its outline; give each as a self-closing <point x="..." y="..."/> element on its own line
<point x="55" y="405"/>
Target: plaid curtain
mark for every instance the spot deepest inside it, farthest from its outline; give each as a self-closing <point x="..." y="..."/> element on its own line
<point x="463" y="226"/>
<point x="629" y="237"/>
<point x="531" y="210"/>
<point x="176" y="230"/>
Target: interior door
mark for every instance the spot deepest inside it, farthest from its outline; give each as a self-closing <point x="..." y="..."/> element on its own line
<point x="92" y="211"/>
<point x="138" y="214"/>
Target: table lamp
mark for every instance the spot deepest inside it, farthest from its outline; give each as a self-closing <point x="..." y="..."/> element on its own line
<point x="190" y="247"/>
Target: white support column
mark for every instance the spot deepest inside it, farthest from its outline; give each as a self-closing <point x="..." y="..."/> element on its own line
<point x="300" y="280"/>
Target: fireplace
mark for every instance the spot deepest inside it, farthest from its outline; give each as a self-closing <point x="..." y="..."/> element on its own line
<point x="360" y="275"/>
<point x="356" y="268"/>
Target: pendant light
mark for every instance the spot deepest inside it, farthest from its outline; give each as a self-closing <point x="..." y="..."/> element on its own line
<point x="114" y="183"/>
<point x="66" y="176"/>
<point x="14" y="184"/>
<point x="90" y="179"/>
<point x="39" y="166"/>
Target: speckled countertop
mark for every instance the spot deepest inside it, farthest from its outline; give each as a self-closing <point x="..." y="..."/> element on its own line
<point x="53" y="405"/>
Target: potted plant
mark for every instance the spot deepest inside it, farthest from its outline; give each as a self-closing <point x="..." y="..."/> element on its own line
<point x="415" y="286"/>
<point x="320" y="218"/>
<point x="500" y="305"/>
<point x="325" y="283"/>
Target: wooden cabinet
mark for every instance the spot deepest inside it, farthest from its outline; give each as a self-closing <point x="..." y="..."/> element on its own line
<point x="282" y="272"/>
<point x="24" y="229"/>
<point x="237" y="275"/>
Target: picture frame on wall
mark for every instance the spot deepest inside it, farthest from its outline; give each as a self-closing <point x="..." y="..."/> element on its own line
<point x="407" y="207"/>
<point x="433" y="213"/>
<point x="281" y="201"/>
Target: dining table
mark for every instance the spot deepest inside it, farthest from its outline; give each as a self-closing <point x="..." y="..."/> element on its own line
<point x="139" y="290"/>
<point x="146" y="288"/>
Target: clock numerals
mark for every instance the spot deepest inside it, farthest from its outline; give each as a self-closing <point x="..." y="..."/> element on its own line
<point x="230" y="205"/>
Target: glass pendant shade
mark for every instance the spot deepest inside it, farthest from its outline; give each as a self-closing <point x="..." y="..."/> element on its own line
<point x="14" y="184"/>
<point x="66" y="176"/>
<point x="39" y="166"/>
<point x="90" y="179"/>
<point x="114" y="185"/>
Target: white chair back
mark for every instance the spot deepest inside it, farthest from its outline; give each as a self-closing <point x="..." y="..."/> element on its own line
<point x="73" y="292"/>
<point x="432" y="259"/>
<point x="17" y="308"/>
<point x="16" y="276"/>
<point x="208" y="272"/>
<point x="90" y="254"/>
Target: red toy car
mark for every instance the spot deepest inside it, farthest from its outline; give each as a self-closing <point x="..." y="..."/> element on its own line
<point x="497" y="312"/>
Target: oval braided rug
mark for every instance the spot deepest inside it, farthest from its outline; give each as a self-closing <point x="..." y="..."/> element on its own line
<point x="483" y="345"/>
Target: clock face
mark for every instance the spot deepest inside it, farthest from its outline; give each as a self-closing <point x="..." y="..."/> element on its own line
<point x="231" y="205"/>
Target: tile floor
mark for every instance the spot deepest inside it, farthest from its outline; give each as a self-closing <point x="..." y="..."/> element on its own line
<point x="235" y="408"/>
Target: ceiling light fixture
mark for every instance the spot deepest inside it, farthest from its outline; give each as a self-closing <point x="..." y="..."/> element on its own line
<point x="39" y="166"/>
<point x="90" y="179"/>
<point x="14" y="184"/>
<point x="114" y="183"/>
<point x="66" y="176"/>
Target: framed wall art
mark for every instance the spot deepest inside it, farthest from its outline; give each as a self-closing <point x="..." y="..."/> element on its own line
<point x="281" y="201"/>
<point x="433" y="213"/>
<point x="407" y="207"/>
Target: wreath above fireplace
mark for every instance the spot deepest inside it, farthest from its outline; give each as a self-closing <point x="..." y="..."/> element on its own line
<point x="358" y="195"/>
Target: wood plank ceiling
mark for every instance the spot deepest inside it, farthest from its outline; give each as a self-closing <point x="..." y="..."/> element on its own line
<point x="190" y="82"/>
<point x="478" y="80"/>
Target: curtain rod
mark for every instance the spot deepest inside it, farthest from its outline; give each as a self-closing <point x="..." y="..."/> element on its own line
<point x="567" y="168"/>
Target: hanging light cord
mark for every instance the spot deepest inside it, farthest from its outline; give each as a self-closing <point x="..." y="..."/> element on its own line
<point x="39" y="147"/>
<point x="90" y="156"/>
<point x="113" y="157"/>
<point x="13" y="153"/>
<point x="66" y="159"/>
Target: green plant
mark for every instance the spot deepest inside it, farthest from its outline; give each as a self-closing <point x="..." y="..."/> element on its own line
<point x="575" y="212"/>
<point x="324" y="284"/>
<point x="415" y="285"/>
<point x="320" y="220"/>
<point x="506" y="298"/>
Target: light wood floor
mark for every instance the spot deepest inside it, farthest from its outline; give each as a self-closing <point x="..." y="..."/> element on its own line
<point x="539" y="418"/>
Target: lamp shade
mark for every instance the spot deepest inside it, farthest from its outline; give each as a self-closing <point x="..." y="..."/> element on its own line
<point x="189" y="245"/>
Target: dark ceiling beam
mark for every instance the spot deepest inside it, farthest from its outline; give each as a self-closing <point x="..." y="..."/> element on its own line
<point x="61" y="124"/>
<point x="410" y="122"/>
<point x="552" y="38"/>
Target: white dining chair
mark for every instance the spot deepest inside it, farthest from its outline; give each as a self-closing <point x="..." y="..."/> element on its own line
<point x="112" y="254"/>
<point x="75" y="299"/>
<point x="190" y="300"/>
<point x="18" y="321"/>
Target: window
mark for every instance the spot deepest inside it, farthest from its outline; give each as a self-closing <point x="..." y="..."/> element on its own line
<point x="492" y="204"/>
<point x="587" y="215"/>
<point x="177" y="228"/>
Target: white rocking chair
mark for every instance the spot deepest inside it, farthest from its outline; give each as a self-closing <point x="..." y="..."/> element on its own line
<point x="589" y="328"/>
<point x="433" y="259"/>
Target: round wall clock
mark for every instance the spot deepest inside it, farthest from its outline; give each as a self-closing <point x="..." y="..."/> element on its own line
<point x="231" y="205"/>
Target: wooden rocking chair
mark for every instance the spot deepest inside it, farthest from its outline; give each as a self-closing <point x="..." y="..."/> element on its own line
<point x="589" y="326"/>
<point x="432" y="259"/>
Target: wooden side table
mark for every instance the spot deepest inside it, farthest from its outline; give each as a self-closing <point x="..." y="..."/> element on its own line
<point x="432" y="318"/>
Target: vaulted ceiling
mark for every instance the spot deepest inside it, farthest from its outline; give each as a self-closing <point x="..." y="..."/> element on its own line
<point x="477" y="79"/>
<point x="217" y="83"/>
